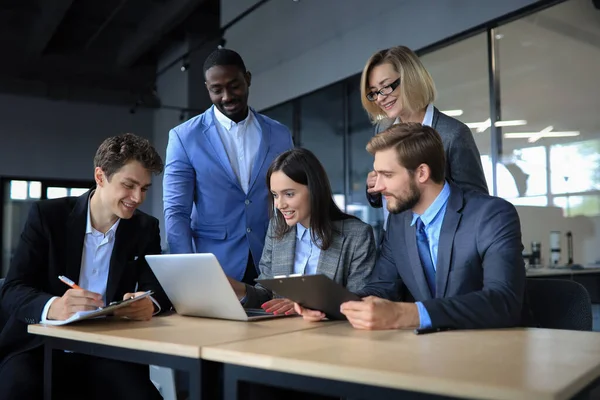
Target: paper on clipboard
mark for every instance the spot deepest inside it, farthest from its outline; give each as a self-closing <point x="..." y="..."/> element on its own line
<point x="100" y="312"/>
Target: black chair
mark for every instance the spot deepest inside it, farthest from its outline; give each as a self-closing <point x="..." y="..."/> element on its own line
<point x="559" y="304"/>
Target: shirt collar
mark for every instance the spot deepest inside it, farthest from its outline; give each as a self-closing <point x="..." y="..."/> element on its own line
<point x="427" y="119"/>
<point x="88" y="226"/>
<point x="434" y="209"/>
<point x="300" y="229"/>
<point x="227" y="123"/>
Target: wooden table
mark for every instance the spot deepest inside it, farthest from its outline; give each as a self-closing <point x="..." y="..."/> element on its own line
<point x="171" y="340"/>
<point x="491" y="364"/>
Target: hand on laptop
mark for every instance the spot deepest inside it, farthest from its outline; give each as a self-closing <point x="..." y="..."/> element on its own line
<point x="308" y="314"/>
<point x="141" y="310"/>
<point x="279" y="306"/>
<point x="72" y="301"/>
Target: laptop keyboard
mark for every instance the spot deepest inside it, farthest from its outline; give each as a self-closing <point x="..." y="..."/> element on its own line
<point x="256" y="312"/>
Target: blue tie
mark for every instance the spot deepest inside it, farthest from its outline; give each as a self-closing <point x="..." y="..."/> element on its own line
<point x="425" y="256"/>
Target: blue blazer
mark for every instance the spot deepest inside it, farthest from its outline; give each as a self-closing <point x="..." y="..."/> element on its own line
<point x="204" y="203"/>
<point x="480" y="272"/>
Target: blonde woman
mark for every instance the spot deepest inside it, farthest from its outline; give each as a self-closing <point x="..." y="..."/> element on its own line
<point x="396" y="87"/>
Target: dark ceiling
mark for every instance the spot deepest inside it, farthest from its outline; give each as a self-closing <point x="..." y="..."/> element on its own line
<point x="95" y="50"/>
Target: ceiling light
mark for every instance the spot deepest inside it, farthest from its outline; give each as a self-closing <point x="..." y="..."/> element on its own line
<point x="185" y="65"/>
<point x="453" y="113"/>
<point x="514" y="122"/>
<point x="482" y="126"/>
<point x="537" y="136"/>
<point x="547" y="132"/>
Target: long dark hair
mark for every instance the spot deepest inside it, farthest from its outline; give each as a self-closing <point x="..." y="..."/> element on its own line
<point x="303" y="167"/>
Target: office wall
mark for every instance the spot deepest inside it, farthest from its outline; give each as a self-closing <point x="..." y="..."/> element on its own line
<point x="172" y="88"/>
<point x="43" y="138"/>
<point x="538" y="222"/>
<point x="296" y="47"/>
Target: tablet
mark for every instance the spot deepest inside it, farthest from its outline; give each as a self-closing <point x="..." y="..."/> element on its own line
<point x="316" y="292"/>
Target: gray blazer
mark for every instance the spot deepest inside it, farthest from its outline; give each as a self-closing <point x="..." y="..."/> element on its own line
<point x="463" y="161"/>
<point x="348" y="261"/>
<point x="480" y="273"/>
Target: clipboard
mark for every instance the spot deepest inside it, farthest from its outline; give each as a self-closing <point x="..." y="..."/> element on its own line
<point x="100" y="312"/>
<point x="316" y="292"/>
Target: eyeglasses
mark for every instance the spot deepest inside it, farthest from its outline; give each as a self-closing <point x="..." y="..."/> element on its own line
<point x="384" y="91"/>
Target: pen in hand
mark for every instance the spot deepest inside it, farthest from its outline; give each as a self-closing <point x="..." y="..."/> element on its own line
<point x="69" y="282"/>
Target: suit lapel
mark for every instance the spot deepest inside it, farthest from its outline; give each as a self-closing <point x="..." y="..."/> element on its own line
<point x="384" y="124"/>
<point x="263" y="149"/>
<point x="124" y="240"/>
<point x="410" y="237"/>
<point x="436" y="116"/>
<point x="75" y="235"/>
<point x="330" y="258"/>
<point x="447" y="233"/>
<point x="284" y="251"/>
<point x="212" y="135"/>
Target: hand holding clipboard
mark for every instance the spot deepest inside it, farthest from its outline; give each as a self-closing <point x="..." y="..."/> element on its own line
<point x="133" y="306"/>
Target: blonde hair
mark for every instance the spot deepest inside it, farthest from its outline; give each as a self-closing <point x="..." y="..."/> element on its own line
<point x="417" y="89"/>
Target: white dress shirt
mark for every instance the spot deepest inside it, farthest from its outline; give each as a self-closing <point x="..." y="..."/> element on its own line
<point x="427" y="121"/>
<point x="241" y="141"/>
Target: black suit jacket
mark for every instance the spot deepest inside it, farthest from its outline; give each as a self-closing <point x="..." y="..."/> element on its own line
<point x="480" y="272"/>
<point x="51" y="245"/>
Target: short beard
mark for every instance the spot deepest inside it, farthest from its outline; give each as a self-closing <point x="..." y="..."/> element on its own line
<point x="414" y="196"/>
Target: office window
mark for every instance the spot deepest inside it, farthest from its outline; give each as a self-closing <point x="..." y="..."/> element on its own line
<point x="322" y="130"/>
<point x="25" y="190"/>
<point x="18" y="190"/>
<point x="548" y="71"/>
<point x="56" y="192"/>
<point x="460" y="73"/>
<point x="283" y="113"/>
<point x="35" y="189"/>
<point x="360" y="131"/>
<point x="76" y="192"/>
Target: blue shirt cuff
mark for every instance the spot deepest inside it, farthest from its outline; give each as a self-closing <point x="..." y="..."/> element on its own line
<point x="424" y="318"/>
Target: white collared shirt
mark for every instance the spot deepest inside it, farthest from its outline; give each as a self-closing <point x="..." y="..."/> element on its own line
<point x="241" y="141"/>
<point x="427" y="121"/>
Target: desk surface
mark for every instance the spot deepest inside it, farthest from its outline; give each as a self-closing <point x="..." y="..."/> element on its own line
<point x="533" y="272"/>
<point x="494" y="364"/>
<point x="172" y="334"/>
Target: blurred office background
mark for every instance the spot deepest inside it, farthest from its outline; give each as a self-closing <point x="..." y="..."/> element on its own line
<point x="77" y="71"/>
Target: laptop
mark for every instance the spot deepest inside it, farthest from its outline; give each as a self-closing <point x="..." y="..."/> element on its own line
<point x="198" y="287"/>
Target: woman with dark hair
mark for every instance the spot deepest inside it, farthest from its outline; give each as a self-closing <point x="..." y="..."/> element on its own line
<point x="308" y="234"/>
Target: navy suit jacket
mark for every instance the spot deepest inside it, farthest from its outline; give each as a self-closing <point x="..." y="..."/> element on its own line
<point x="206" y="209"/>
<point x="480" y="272"/>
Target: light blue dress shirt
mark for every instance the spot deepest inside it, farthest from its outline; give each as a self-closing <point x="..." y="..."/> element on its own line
<point x="307" y="253"/>
<point x="432" y="220"/>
